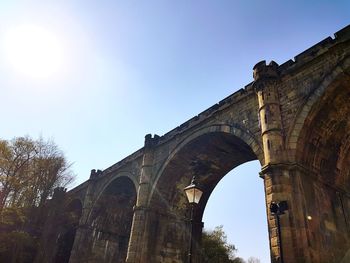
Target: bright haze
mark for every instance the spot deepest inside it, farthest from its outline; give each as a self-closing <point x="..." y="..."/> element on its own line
<point x="96" y="76"/>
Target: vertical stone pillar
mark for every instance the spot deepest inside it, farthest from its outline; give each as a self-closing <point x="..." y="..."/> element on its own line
<point x="279" y="176"/>
<point x="278" y="188"/>
<point x="283" y="182"/>
<point x="137" y="243"/>
<point x="83" y="232"/>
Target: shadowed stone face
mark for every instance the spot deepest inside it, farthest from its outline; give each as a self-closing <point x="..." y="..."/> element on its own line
<point x="325" y="144"/>
<point x="69" y="224"/>
<point x="209" y="157"/>
<point x="110" y="222"/>
<point x="326" y="136"/>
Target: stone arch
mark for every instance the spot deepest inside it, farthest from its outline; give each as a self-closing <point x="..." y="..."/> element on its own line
<point x="236" y="130"/>
<point x="210" y="153"/>
<point x="72" y="214"/>
<point x="323" y="150"/>
<point x="343" y="68"/>
<point x="328" y="110"/>
<point x="110" y="219"/>
<point x="112" y="179"/>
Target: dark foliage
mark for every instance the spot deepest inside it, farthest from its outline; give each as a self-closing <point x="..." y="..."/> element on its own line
<point x="29" y="172"/>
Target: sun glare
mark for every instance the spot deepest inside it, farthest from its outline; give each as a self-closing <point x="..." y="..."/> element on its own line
<point x="33" y="51"/>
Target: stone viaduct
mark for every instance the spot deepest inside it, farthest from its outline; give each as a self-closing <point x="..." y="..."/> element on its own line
<point x="293" y="118"/>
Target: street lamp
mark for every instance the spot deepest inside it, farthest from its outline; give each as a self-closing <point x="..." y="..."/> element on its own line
<point x="193" y="194"/>
<point x="276" y="210"/>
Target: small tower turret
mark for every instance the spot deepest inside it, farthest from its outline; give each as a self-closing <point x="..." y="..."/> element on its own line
<point x="266" y="79"/>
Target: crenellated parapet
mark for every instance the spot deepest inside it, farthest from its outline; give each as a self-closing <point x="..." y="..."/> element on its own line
<point x="261" y="71"/>
<point x="151" y="141"/>
<point x="316" y="51"/>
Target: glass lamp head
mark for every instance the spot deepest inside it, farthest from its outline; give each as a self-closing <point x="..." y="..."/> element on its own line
<point x="193" y="192"/>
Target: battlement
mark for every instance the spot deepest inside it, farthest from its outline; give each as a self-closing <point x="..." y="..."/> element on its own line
<point x="343" y="34"/>
<point x="261" y="70"/>
<point x="221" y="105"/>
<point x="315" y="51"/>
<point x="151" y="141"/>
<point x="124" y="161"/>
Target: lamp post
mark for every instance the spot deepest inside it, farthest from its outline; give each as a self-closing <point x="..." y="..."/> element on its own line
<point x="193" y="194"/>
<point x="277" y="209"/>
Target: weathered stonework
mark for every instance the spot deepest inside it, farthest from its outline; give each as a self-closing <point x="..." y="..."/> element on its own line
<point x="293" y="118"/>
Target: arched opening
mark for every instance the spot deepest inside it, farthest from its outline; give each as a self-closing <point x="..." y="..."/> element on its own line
<point x="210" y="156"/>
<point x="66" y="237"/>
<point x="238" y="203"/>
<point x="111" y="220"/>
<point x="324" y="151"/>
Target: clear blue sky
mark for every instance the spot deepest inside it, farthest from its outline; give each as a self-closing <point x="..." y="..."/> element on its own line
<point x="128" y="68"/>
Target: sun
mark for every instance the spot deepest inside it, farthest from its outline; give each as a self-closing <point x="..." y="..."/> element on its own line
<point x="33" y="51"/>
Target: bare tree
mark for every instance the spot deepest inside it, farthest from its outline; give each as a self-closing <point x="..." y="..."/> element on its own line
<point x="30" y="170"/>
<point x="15" y="156"/>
